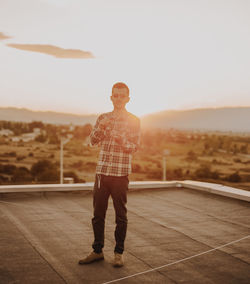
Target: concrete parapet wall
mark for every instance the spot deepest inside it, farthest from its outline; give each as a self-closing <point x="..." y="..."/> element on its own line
<point x="136" y="185"/>
<point x="217" y="189"/>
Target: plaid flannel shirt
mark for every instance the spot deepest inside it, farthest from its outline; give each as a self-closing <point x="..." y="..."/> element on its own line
<point x="118" y="138"/>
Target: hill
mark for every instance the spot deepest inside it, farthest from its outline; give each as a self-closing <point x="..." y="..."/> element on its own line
<point x="221" y="119"/>
<point x="26" y="115"/>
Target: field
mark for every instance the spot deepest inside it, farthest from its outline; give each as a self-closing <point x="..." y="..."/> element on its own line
<point x="214" y="157"/>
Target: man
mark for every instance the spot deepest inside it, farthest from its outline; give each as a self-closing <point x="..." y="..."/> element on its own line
<point x="117" y="133"/>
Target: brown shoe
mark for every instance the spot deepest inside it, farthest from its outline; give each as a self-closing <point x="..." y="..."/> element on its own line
<point x="118" y="260"/>
<point x="93" y="256"/>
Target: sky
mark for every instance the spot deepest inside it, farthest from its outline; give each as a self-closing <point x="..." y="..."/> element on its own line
<point x="65" y="55"/>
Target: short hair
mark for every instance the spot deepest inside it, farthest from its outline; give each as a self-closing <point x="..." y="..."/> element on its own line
<point x="120" y="85"/>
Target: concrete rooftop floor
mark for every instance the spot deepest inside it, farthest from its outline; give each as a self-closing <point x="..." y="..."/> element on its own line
<point x="43" y="235"/>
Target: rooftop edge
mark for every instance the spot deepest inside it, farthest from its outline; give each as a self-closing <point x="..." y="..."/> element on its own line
<point x="134" y="185"/>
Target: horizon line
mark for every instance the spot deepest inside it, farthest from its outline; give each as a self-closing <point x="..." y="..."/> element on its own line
<point x="98" y="113"/>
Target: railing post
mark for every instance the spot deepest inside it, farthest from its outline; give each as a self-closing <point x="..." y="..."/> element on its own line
<point x="166" y="152"/>
<point x="61" y="162"/>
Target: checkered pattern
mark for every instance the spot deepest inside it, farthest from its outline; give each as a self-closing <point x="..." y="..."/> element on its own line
<point x="118" y="138"/>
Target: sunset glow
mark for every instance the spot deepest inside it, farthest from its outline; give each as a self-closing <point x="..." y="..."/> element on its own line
<point x="66" y="55"/>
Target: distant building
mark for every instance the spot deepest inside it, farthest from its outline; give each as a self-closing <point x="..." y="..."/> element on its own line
<point x="6" y="132"/>
<point x="26" y="137"/>
<point x="68" y="180"/>
<point x="37" y="130"/>
<point x="15" y="139"/>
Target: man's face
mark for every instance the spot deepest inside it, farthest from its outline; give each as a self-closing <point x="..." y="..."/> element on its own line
<point x="119" y="98"/>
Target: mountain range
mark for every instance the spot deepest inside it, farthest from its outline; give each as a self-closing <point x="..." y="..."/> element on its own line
<point x="235" y="119"/>
<point x="26" y="115"/>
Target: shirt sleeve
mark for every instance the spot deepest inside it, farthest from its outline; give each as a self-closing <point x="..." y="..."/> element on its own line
<point x="97" y="134"/>
<point x="131" y="141"/>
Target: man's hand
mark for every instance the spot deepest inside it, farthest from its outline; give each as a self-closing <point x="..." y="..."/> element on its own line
<point x="118" y="138"/>
<point x="104" y="123"/>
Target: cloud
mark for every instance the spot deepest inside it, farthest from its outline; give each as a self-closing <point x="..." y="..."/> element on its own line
<point x="3" y="36"/>
<point x="53" y="50"/>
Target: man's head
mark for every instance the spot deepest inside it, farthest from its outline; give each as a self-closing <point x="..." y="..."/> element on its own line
<point x="120" y="96"/>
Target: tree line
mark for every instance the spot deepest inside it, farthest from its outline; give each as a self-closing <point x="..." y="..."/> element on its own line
<point x="43" y="171"/>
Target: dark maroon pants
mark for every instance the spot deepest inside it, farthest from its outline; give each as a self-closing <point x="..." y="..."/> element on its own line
<point x="117" y="187"/>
